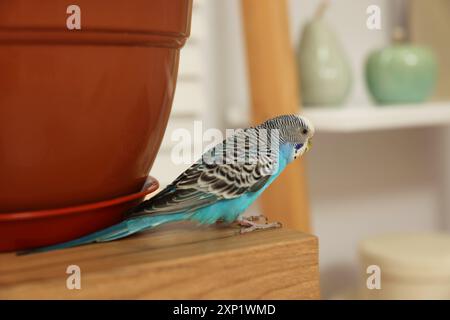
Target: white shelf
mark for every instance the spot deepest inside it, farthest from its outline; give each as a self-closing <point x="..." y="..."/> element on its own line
<point x="369" y="118"/>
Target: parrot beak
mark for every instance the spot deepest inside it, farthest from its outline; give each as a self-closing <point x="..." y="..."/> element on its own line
<point x="308" y="145"/>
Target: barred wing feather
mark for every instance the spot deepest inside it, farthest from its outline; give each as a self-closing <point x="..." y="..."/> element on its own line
<point x="205" y="183"/>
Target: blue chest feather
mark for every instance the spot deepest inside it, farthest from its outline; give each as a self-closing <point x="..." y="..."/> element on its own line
<point x="230" y="209"/>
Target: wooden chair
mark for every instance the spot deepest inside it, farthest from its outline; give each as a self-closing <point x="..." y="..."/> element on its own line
<point x="274" y="91"/>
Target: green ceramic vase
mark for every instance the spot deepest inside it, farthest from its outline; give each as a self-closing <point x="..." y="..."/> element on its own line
<point x="325" y="75"/>
<point x="401" y="73"/>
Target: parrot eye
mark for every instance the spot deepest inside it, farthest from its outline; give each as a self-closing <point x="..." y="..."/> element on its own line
<point x="305" y="131"/>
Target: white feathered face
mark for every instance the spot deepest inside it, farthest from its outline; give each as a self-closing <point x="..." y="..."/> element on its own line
<point x="300" y="149"/>
<point x="304" y="135"/>
<point x="294" y="130"/>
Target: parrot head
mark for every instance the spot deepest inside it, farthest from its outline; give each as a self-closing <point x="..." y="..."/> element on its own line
<point x="294" y="130"/>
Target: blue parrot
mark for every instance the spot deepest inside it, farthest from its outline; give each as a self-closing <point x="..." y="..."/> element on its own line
<point x="221" y="185"/>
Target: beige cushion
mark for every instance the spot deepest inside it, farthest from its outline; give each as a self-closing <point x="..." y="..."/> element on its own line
<point x="413" y="265"/>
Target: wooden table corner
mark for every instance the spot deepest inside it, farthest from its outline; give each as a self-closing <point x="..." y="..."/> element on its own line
<point x="179" y="261"/>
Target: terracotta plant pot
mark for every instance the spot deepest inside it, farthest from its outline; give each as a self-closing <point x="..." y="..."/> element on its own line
<point x="83" y="112"/>
<point x="25" y="230"/>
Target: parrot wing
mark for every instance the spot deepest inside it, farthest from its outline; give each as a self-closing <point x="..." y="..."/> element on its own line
<point x="205" y="183"/>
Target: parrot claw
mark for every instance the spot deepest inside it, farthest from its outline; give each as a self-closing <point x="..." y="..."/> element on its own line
<point x="249" y="226"/>
<point x="256" y="217"/>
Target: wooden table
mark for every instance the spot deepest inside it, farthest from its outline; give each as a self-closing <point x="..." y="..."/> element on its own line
<point x="173" y="262"/>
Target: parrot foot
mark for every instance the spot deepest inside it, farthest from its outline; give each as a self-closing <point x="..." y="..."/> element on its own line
<point x="249" y="226"/>
<point x="255" y="217"/>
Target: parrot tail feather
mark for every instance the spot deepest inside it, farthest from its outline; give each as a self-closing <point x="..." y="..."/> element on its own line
<point x="117" y="231"/>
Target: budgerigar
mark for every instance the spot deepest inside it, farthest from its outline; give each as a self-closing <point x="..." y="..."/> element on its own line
<point x="221" y="185"/>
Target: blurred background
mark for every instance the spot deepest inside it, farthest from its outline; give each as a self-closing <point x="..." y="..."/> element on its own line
<point x="380" y="161"/>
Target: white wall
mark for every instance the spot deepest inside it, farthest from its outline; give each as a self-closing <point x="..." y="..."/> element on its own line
<point x="366" y="184"/>
<point x="360" y="184"/>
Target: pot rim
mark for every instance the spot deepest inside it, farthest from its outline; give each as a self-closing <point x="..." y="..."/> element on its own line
<point x="150" y="186"/>
<point x="174" y="40"/>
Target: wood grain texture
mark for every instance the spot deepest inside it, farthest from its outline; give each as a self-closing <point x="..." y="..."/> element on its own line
<point x="274" y="91"/>
<point x="176" y="262"/>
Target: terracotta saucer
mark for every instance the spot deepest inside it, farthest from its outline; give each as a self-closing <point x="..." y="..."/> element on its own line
<point x="25" y="230"/>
